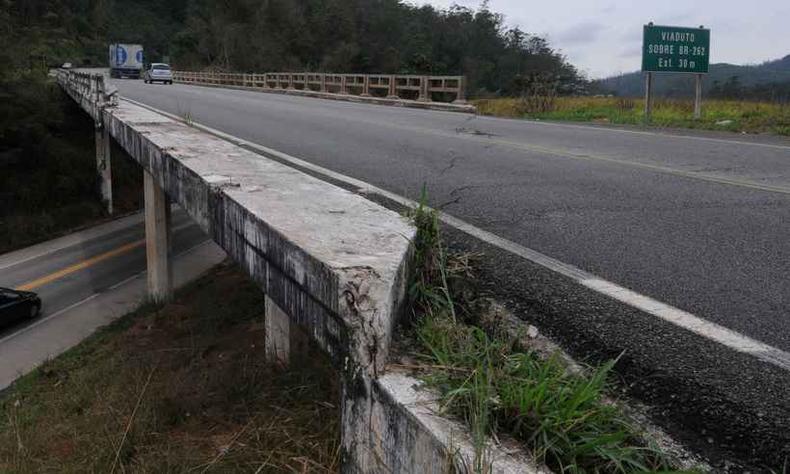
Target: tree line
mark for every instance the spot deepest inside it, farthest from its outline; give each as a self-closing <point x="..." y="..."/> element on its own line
<point x="734" y="89"/>
<point x="363" y="36"/>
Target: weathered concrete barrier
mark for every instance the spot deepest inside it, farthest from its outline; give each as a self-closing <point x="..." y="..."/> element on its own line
<point x="328" y="260"/>
<point x="403" y="90"/>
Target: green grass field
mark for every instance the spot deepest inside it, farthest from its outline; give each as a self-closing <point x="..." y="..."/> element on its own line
<point x="729" y="115"/>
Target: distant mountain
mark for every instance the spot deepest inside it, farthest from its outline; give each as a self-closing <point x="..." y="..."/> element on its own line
<point x="721" y="77"/>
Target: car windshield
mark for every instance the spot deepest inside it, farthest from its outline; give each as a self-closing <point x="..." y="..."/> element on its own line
<point x="6" y="295"/>
<point x="160" y="67"/>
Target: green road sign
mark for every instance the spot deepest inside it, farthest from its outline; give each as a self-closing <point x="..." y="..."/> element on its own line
<point x="675" y="49"/>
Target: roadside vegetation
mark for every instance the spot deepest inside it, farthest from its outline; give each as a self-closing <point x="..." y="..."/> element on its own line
<point x="354" y="36"/>
<point x="175" y="388"/>
<point x="565" y="419"/>
<point x="48" y="179"/>
<point x="718" y="114"/>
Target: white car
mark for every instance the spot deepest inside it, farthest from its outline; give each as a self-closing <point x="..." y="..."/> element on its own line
<point x="158" y="72"/>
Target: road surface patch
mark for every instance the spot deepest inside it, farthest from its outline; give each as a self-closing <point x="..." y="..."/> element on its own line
<point x="713" y="332"/>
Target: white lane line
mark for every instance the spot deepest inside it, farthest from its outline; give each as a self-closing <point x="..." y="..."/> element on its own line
<point x="47" y="248"/>
<point x="95" y="295"/>
<point x="702" y="327"/>
<point x="44" y="249"/>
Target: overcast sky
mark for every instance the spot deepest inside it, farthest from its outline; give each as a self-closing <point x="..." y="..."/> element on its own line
<point x="603" y="37"/>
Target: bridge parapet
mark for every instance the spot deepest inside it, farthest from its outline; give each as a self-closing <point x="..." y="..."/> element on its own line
<point x="394" y="87"/>
<point x="331" y="261"/>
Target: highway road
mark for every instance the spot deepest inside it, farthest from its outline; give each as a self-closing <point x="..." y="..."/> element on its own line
<point x="698" y="221"/>
<point x="72" y="273"/>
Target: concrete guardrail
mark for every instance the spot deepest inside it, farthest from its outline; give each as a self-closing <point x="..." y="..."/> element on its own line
<point x="408" y="90"/>
<point x="331" y="263"/>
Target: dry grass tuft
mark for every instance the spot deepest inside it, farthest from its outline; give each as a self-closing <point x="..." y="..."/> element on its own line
<point x="730" y="115"/>
<point x="181" y="388"/>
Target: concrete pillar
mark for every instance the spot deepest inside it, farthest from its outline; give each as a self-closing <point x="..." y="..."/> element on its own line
<point x="277" y="329"/>
<point x="103" y="164"/>
<point x="157" y="240"/>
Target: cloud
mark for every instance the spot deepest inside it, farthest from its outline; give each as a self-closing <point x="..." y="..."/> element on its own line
<point x="631" y="51"/>
<point x="581" y="33"/>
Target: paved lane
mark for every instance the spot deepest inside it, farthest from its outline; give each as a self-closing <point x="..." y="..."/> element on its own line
<point x="695" y="220"/>
<point x="68" y="270"/>
<point x="699" y="223"/>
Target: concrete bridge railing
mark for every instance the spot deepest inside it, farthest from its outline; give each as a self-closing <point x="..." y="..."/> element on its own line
<point x="396" y="87"/>
<point x="332" y="265"/>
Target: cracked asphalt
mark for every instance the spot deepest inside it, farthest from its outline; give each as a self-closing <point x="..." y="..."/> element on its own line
<point x="696" y="220"/>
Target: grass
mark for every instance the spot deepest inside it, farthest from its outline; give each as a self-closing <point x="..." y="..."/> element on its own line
<point x="729" y="115"/>
<point x="178" y="388"/>
<point x="564" y="419"/>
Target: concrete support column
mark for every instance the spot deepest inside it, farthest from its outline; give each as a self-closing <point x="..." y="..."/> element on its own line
<point x="103" y="164"/>
<point x="157" y="240"/>
<point x="277" y="329"/>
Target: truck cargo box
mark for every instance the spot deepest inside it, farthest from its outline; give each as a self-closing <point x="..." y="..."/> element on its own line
<point x="126" y="60"/>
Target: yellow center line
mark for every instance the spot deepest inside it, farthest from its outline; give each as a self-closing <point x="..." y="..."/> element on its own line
<point x="80" y="266"/>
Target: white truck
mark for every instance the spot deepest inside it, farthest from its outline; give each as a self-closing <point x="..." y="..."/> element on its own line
<point x="126" y="60"/>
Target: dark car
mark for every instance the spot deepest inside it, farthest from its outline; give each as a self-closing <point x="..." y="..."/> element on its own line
<point x="18" y="305"/>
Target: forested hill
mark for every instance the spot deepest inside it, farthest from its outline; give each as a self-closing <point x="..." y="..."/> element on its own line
<point x="386" y="36"/>
<point x="767" y="81"/>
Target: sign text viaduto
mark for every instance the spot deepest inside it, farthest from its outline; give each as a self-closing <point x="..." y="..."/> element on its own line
<point x="675" y="49"/>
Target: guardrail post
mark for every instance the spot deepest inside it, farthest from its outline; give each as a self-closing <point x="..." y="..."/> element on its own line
<point x="461" y="97"/>
<point x="425" y="95"/>
<point x="343" y="83"/>
<point x="290" y="82"/>
<point x="366" y="86"/>
<point x="157" y="240"/>
<point x="323" y="82"/>
<point x="393" y="91"/>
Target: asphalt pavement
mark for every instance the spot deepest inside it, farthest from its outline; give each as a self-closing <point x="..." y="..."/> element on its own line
<point x="697" y="220"/>
<point x="75" y="273"/>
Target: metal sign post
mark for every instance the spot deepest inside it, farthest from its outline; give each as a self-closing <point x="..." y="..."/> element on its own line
<point x="675" y="49"/>
<point x="648" y="96"/>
